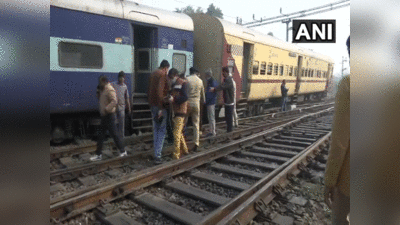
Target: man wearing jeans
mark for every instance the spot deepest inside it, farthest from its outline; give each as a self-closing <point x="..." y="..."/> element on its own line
<point x="284" y="92"/>
<point x="123" y="101"/>
<point x="157" y="93"/>
<point x="228" y="93"/>
<point x="211" y="98"/>
<point x="107" y="102"/>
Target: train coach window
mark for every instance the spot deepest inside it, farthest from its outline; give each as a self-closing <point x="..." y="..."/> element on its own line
<point x="179" y="62"/>
<point x="269" y="72"/>
<point x="281" y="70"/>
<point x="312" y="73"/>
<point x="78" y="55"/>
<point x="295" y="71"/>
<point x="286" y="72"/>
<point x="255" y="67"/>
<point x="291" y="71"/>
<point x="276" y="69"/>
<point x="263" y="68"/>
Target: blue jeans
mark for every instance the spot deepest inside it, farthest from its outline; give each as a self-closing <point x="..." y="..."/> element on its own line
<point x="159" y="130"/>
<point x="284" y="100"/>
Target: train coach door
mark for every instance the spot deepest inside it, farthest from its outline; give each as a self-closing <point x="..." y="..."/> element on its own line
<point x="144" y="39"/>
<point x="298" y="75"/>
<point x="246" y="67"/>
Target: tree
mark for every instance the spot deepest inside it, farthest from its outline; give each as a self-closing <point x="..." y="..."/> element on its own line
<point x="213" y="11"/>
<point x="188" y="10"/>
<point x="271" y="34"/>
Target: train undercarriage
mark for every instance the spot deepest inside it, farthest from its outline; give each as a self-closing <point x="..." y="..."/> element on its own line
<point x="67" y="127"/>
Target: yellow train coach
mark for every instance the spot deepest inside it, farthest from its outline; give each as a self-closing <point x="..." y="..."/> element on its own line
<point x="258" y="63"/>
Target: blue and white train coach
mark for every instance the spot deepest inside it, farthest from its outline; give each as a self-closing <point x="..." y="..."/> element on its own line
<point x="94" y="37"/>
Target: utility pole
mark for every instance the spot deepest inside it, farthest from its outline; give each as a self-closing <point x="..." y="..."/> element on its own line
<point x="287" y="28"/>
<point x="287" y="21"/>
<point x="343" y="60"/>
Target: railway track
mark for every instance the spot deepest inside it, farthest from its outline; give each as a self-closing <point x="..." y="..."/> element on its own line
<point x="230" y="170"/>
<point x="86" y="176"/>
<point x="64" y="153"/>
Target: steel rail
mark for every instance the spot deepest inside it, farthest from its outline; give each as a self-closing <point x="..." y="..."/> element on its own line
<point x="124" y="186"/>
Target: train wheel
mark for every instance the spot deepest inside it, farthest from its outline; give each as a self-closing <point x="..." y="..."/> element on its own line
<point x="58" y="135"/>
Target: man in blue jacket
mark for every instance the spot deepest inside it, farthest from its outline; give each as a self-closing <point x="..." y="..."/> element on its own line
<point x="284" y="91"/>
<point x="211" y="98"/>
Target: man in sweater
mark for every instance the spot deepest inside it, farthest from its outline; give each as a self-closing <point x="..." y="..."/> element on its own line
<point x="179" y="101"/>
<point x="284" y="92"/>
<point x="157" y="93"/>
<point x="228" y="93"/>
<point x="337" y="174"/>
<point x="211" y="99"/>
<point x="107" y="105"/>
<point x="234" y="113"/>
<point x="123" y="101"/>
<point x="196" y="97"/>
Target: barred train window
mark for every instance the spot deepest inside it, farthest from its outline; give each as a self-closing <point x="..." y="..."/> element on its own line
<point x="276" y="69"/>
<point x="269" y="72"/>
<point x="286" y="72"/>
<point x="78" y="55"/>
<point x="263" y="68"/>
<point x="312" y="73"/>
<point x="291" y="71"/>
<point x="281" y="70"/>
<point x="255" y="67"/>
<point x="179" y="62"/>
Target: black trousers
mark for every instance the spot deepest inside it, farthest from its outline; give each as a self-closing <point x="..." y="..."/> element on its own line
<point x="229" y="117"/>
<point x="108" y="123"/>
<point x="170" y="133"/>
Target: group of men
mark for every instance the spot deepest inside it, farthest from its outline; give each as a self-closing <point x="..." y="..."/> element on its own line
<point x="174" y="98"/>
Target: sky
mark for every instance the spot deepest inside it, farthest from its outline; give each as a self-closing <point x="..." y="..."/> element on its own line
<point x="266" y="9"/>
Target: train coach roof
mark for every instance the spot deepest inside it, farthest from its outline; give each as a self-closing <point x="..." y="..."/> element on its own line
<point x="129" y="10"/>
<point x="255" y="36"/>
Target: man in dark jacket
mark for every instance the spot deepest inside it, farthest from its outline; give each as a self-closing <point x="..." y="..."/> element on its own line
<point x="179" y="100"/>
<point x="211" y="98"/>
<point x="228" y="93"/>
<point x="284" y="91"/>
<point x="158" y="91"/>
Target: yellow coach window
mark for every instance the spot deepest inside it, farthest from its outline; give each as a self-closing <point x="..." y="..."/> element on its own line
<point x="269" y="72"/>
<point x="255" y="67"/>
<point x="263" y="68"/>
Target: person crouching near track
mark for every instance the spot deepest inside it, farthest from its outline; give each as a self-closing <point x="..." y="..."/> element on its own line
<point x="179" y="100"/>
<point x="107" y="104"/>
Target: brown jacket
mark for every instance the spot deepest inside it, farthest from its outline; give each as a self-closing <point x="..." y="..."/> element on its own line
<point x="179" y="92"/>
<point x="158" y="89"/>
<point x="338" y="166"/>
<point x="107" y="100"/>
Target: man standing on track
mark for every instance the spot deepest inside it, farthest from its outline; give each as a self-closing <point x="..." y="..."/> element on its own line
<point x="107" y="104"/>
<point x="196" y="97"/>
<point x="157" y="93"/>
<point x="284" y="92"/>
<point x="337" y="174"/>
<point x="234" y="114"/>
<point x="211" y="99"/>
<point x="179" y="101"/>
<point x="227" y="88"/>
<point x="123" y="101"/>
